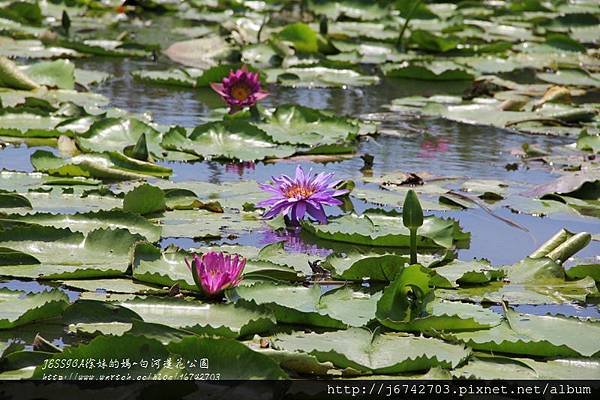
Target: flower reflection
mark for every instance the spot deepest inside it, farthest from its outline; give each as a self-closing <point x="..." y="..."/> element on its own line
<point x="431" y="146"/>
<point x="293" y="242"/>
<point x="240" y="167"/>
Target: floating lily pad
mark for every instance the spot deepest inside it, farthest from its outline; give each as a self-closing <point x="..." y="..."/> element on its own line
<point x="433" y="71"/>
<point x="87" y="222"/>
<point x="581" y="271"/>
<point x="470" y="272"/>
<point x="13" y="200"/>
<point x="235" y="140"/>
<point x="357" y="266"/>
<point x="537" y="335"/>
<point x="17" y="308"/>
<point x="199" y="53"/>
<point x="353" y="9"/>
<point x="166" y="268"/>
<point x="220" y="352"/>
<point x="207" y="224"/>
<point x="301" y="305"/>
<point x="112" y="286"/>
<point x="379" y="353"/>
<point x="33" y="49"/>
<point x="305" y="126"/>
<point x="64" y="254"/>
<point x="29" y="125"/>
<point x="224" y="320"/>
<point x="498" y="367"/>
<point x="57" y="74"/>
<point x="174" y="77"/>
<point x="575" y="77"/>
<point x="319" y="77"/>
<point x="114" y="134"/>
<point x="128" y="347"/>
<point x="109" y="165"/>
<point x="380" y="228"/>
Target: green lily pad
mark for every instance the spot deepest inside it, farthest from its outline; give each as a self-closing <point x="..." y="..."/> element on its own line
<point x="381" y="228"/>
<point x="537" y="335"/>
<point x="373" y="352"/>
<point x="235" y="140"/>
<point x="167" y="268"/>
<point x="224" y="320"/>
<point x="114" y="134"/>
<point x="531" y="281"/>
<point x="29" y="125"/>
<point x="55" y="97"/>
<point x="319" y="77"/>
<point x="430" y="71"/>
<point x="64" y="254"/>
<point x="87" y="222"/>
<point x="276" y="254"/>
<point x="357" y="266"/>
<point x="574" y="77"/>
<point x="504" y="368"/>
<point x="56" y="74"/>
<point x="109" y="165"/>
<point x="18" y="308"/>
<point x="112" y="286"/>
<point x="470" y="272"/>
<point x="581" y="271"/>
<point x="301" y="305"/>
<point x="208" y="224"/>
<point x="102" y="47"/>
<point x="219" y="353"/>
<point x="407" y="304"/>
<point x="301" y="36"/>
<point x="305" y="126"/>
<point x="173" y="77"/>
<point x="33" y="49"/>
<point x="199" y="53"/>
<point x="13" y="200"/>
<point x="353" y="9"/>
<point x="588" y="142"/>
<point x="138" y="350"/>
<point x="145" y="199"/>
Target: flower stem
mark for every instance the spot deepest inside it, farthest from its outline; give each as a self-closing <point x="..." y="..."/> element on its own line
<point x="254" y="113"/>
<point x="413" y="246"/>
<point x="408" y="18"/>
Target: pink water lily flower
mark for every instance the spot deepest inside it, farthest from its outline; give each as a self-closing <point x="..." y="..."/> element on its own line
<point x="214" y="272"/>
<point x="303" y="194"/>
<point x="240" y="89"/>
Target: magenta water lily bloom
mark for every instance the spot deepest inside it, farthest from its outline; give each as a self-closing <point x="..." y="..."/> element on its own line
<point x="303" y="194"/>
<point x="214" y="272"/>
<point x="240" y="89"/>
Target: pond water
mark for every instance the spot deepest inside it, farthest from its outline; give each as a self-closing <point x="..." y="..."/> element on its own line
<point x="410" y="144"/>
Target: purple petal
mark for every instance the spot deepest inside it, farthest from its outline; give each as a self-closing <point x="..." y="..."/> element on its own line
<point x="317" y="213"/>
<point x="298" y="211"/>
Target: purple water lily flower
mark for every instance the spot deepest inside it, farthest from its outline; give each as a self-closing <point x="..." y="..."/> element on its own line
<point x="303" y="194"/>
<point x="214" y="272"/>
<point x="240" y="89"/>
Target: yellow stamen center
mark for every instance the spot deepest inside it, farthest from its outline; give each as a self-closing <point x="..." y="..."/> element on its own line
<point x="240" y="92"/>
<point x="299" y="192"/>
